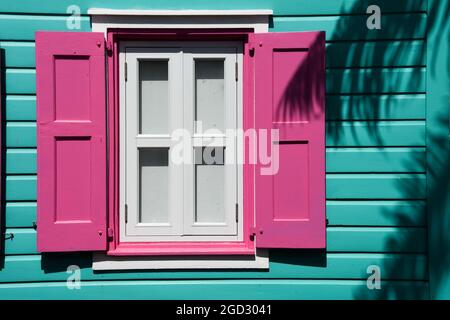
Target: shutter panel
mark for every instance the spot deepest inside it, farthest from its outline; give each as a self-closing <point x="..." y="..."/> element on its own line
<point x="71" y="144"/>
<point x="289" y="79"/>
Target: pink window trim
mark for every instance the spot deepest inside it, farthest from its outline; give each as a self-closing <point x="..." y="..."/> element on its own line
<point x="116" y="248"/>
<point x="184" y="248"/>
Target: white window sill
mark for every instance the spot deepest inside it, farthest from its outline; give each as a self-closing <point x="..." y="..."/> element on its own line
<point x="103" y="262"/>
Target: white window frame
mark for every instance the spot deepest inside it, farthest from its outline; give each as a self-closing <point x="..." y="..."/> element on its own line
<point x="181" y="56"/>
<point x="257" y="20"/>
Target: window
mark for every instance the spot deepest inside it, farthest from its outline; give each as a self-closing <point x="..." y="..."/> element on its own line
<point x="180" y="109"/>
<point x="96" y="155"/>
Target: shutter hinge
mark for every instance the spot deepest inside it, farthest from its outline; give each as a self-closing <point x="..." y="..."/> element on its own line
<point x="236" y="71"/>
<point x="252" y="52"/>
<point x="126" y="71"/>
<point x="109" y="47"/>
<point x="126" y="213"/>
<point x="237" y="212"/>
<point x="254" y="232"/>
<point x="9" y="236"/>
<point x="110" y="233"/>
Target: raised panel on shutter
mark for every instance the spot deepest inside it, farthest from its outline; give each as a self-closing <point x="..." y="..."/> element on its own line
<point x="289" y="80"/>
<point x="71" y="143"/>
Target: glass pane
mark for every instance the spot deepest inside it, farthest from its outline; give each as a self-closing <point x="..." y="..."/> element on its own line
<point x="209" y="93"/>
<point x="153" y="185"/>
<point x="153" y="96"/>
<point x="209" y="184"/>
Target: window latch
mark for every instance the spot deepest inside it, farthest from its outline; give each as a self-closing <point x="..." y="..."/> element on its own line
<point x="126" y="213"/>
<point x="126" y="71"/>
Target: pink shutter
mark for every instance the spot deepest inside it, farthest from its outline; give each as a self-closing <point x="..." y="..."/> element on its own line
<point x="290" y="96"/>
<point x="71" y="143"/>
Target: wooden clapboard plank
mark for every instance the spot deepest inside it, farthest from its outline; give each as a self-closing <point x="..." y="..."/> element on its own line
<point x="339" y="239"/>
<point x="376" y="186"/>
<point x="23" y="27"/>
<point x="283" y="265"/>
<point x="223" y="289"/>
<point x="353" y="27"/>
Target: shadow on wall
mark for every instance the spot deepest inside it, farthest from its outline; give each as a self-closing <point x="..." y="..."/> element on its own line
<point x="304" y="89"/>
<point x="346" y="101"/>
<point x="375" y="81"/>
<point x="440" y="235"/>
<point x="439" y="173"/>
<point x="2" y="158"/>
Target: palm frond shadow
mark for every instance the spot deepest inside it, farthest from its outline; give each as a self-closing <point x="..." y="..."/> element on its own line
<point x="361" y="86"/>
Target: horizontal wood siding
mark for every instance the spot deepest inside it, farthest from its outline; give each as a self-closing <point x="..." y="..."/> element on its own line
<point x="241" y="289"/>
<point x="382" y="80"/>
<point x="408" y="213"/>
<point x="338" y="28"/>
<point x="375" y="158"/>
<point x="34" y="268"/>
<point x="280" y="7"/>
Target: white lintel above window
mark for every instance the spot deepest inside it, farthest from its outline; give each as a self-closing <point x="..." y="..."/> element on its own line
<point x="103" y="19"/>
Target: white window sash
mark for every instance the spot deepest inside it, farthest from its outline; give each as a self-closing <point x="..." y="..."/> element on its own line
<point x="229" y="56"/>
<point x="135" y="141"/>
<point x="179" y="202"/>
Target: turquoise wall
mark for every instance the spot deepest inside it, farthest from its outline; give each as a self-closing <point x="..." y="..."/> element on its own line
<point x="376" y="161"/>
